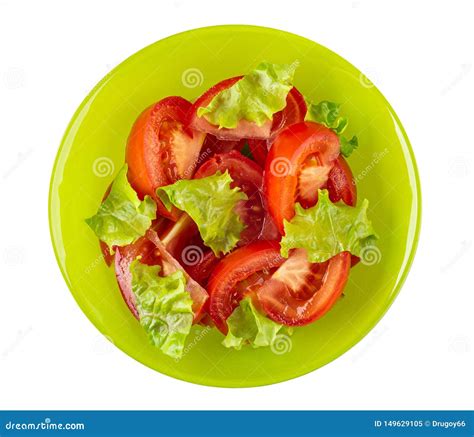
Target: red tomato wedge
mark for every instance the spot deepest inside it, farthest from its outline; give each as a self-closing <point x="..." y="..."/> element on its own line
<point x="295" y="110"/>
<point x="183" y="242"/>
<point x="213" y="145"/>
<point x="170" y="265"/>
<point x="123" y="258"/>
<point x="258" y="149"/>
<point x="246" y="262"/>
<point x="244" y="129"/>
<point x="341" y="184"/>
<point x="300" y="292"/>
<point x="161" y="149"/>
<point x="299" y="146"/>
<point x="247" y="175"/>
<point x="152" y="252"/>
<point x="107" y="254"/>
<point x="199" y="264"/>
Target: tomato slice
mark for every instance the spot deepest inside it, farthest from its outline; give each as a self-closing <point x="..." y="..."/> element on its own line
<point x="152" y="252"/>
<point x="299" y="146"/>
<point x="300" y="292"/>
<point x="170" y="265"/>
<point x="107" y="254"/>
<point x="246" y="262"/>
<point x="258" y="149"/>
<point x="247" y="175"/>
<point x="199" y="264"/>
<point x="123" y="258"/>
<point x="341" y="183"/>
<point x="162" y="149"/>
<point x="244" y="128"/>
<point x="213" y="145"/>
<point x="294" y="111"/>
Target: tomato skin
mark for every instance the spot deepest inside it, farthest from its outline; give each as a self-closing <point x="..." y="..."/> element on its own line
<point x="234" y="268"/>
<point x="284" y="161"/>
<point x="162" y="149"/>
<point x="282" y="305"/>
<point x="341" y="184"/>
<point x="108" y="256"/>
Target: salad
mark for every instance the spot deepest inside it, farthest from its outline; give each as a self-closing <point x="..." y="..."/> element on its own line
<point x="238" y="211"/>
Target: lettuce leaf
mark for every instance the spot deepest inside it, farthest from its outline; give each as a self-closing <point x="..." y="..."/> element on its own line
<point x="348" y="146"/>
<point x="248" y="326"/>
<point x="327" y="229"/>
<point x="211" y="203"/>
<point x="255" y="98"/>
<point x="164" y="307"/>
<point x="327" y="113"/>
<point x="122" y="217"/>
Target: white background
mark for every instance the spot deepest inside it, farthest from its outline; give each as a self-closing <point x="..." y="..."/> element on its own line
<point x="420" y="55"/>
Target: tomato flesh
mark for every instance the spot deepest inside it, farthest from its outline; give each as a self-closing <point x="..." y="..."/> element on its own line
<point x="162" y="149"/>
<point x="300" y="292"/>
<point x="223" y="287"/>
<point x="286" y="159"/>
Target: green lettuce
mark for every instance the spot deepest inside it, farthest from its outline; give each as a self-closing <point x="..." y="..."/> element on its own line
<point x="248" y="326"/>
<point x="164" y="307"/>
<point x="122" y="217"/>
<point x="348" y="146"/>
<point x="327" y="229"/>
<point x="211" y="203"/>
<point x="255" y="97"/>
<point x="328" y="114"/>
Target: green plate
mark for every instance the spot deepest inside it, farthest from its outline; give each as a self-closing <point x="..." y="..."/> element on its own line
<point x="187" y="64"/>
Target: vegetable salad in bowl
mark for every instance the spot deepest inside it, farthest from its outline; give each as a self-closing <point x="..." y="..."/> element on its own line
<point x="238" y="211"/>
